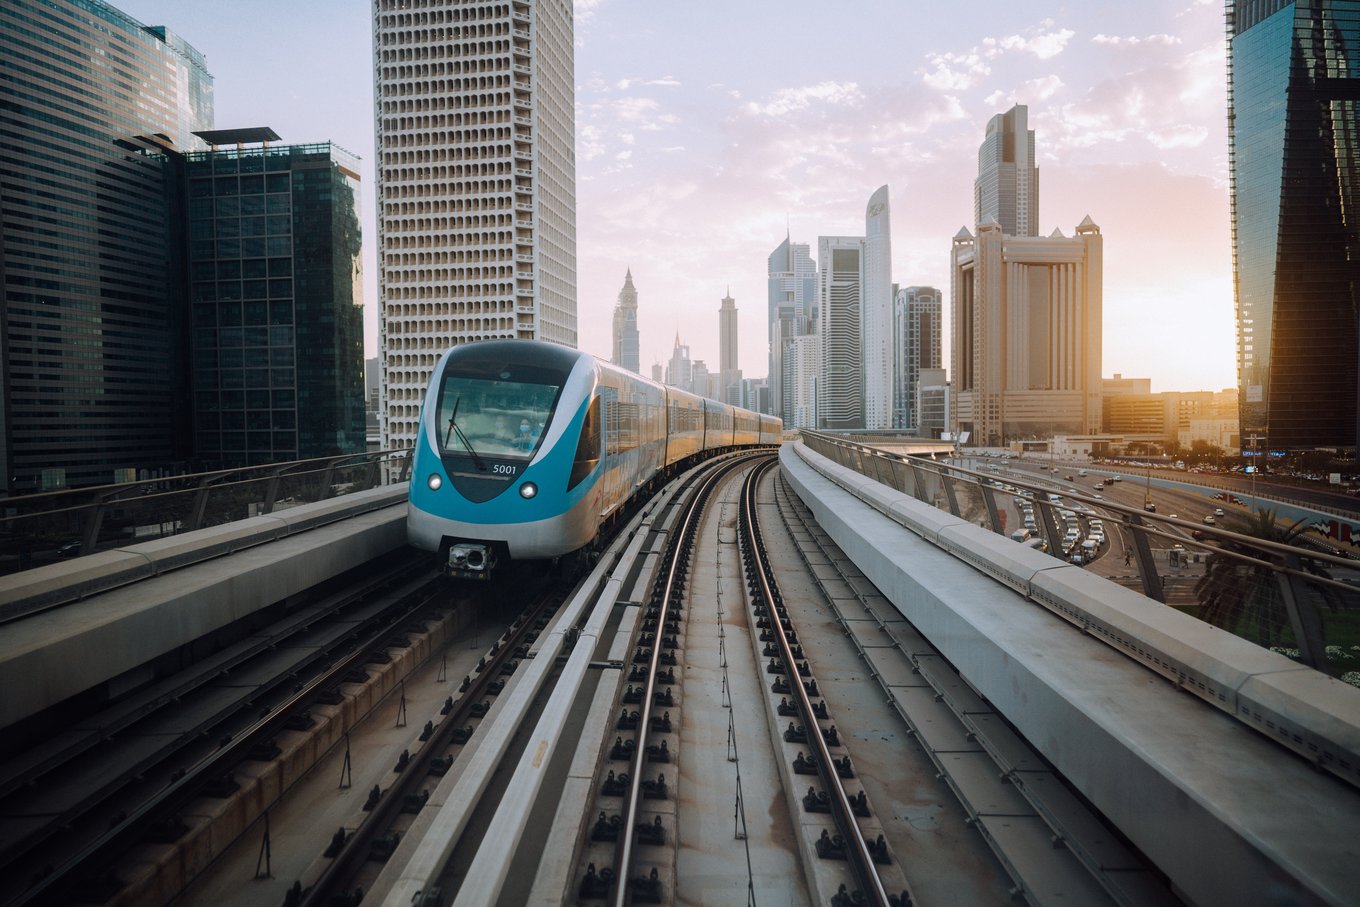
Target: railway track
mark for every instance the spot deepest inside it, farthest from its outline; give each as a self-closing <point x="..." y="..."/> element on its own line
<point x="581" y="760"/>
<point x="1052" y="847"/>
<point x="76" y="802"/>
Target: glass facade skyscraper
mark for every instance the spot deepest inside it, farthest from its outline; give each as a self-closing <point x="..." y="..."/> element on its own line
<point x="276" y="285"/>
<point x="1294" y="131"/>
<point x="1007" y="186"/>
<point x="93" y="107"/>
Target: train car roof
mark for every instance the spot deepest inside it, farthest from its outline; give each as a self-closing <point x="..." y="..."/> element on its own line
<point x="531" y="352"/>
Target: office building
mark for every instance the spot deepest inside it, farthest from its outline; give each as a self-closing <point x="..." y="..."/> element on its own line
<point x="877" y="317"/>
<point x="94" y="107"/>
<point x="917" y="345"/>
<point x="626" y="353"/>
<point x="1026" y="334"/>
<point x="802" y="370"/>
<point x="1007" y="186"/>
<point x="277" y="343"/>
<point x="792" y="303"/>
<point x="729" y="373"/>
<point x="476" y="184"/>
<point x="841" y="311"/>
<point x="680" y="370"/>
<point x="932" y="403"/>
<point x="1294" y="166"/>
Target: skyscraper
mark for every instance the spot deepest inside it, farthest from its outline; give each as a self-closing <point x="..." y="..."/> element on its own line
<point x="729" y="375"/>
<point x="792" y="303"/>
<point x="916" y="346"/>
<point x="680" y="370"/>
<point x="476" y="184"/>
<point x="1293" y="94"/>
<point x="841" y="303"/>
<point x="94" y="106"/>
<point x="277" y="290"/>
<point x="626" y="353"/>
<point x="878" y="314"/>
<point x="1007" y="186"/>
<point x="1026" y="333"/>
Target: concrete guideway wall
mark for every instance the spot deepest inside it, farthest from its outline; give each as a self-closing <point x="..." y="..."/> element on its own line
<point x="48" y="586"/>
<point x="1228" y="815"/>
<point x="56" y="654"/>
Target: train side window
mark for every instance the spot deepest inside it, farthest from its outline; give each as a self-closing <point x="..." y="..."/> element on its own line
<point x="588" y="448"/>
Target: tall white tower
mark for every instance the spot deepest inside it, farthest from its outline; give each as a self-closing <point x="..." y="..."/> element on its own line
<point x="877" y="318"/>
<point x="728" y="372"/>
<point x="474" y="107"/>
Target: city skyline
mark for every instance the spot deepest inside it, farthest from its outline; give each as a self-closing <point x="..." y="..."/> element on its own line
<point x="689" y="173"/>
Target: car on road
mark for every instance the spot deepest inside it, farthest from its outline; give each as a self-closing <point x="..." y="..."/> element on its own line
<point x="1209" y="520"/>
<point x="1218" y="511"/>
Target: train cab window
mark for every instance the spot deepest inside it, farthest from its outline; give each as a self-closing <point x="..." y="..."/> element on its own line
<point x="588" y="448"/>
<point x="494" y="418"/>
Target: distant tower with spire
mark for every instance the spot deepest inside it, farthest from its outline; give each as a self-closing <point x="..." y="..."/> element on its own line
<point x="729" y="375"/>
<point x="680" y="371"/>
<point x="625" y="327"/>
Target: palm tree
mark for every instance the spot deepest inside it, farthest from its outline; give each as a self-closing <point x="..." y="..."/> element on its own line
<point x="1244" y="598"/>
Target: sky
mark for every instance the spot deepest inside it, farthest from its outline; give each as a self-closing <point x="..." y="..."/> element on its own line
<point x="706" y="131"/>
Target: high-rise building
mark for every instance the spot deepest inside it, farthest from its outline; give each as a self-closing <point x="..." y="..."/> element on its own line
<point x="277" y="291"/>
<point x="802" y="370"/>
<point x="877" y="317"/>
<point x="94" y="107"/>
<point x="1026" y="334"/>
<point x="932" y="403"/>
<point x="792" y="282"/>
<point x="916" y="346"/>
<point x="476" y="184"/>
<point x="626" y="354"/>
<point x="1294" y="159"/>
<point x="729" y="373"/>
<point x="1007" y="186"/>
<point x="841" y="310"/>
<point x="680" y="370"/>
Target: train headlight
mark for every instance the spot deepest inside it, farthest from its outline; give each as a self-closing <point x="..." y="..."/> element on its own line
<point x="528" y="490"/>
<point x="434" y="481"/>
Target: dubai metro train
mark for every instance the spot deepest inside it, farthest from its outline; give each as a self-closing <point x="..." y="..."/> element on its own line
<point x="526" y="448"/>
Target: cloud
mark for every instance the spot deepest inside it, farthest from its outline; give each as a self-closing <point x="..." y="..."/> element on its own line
<point x="790" y="100"/>
<point x="950" y="71"/>
<point x="955" y="72"/>
<point x="664" y="81"/>
<point x="1044" y="45"/>
<point x="1134" y="41"/>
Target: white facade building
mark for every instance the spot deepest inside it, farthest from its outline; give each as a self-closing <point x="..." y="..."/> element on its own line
<point x="841" y="308"/>
<point x="803" y="366"/>
<point x="877" y="316"/>
<point x="474" y="105"/>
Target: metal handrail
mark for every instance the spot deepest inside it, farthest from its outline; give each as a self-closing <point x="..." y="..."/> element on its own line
<point x="31" y="523"/>
<point x="1284" y="562"/>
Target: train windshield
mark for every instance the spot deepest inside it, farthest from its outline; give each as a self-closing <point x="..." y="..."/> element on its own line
<point x="493" y="418"/>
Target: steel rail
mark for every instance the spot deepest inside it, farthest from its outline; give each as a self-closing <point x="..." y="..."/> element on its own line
<point x="677" y="565"/>
<point x="839" y="800"/>
<point x="354" y="852"/>
<point x="187" y="786"/>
